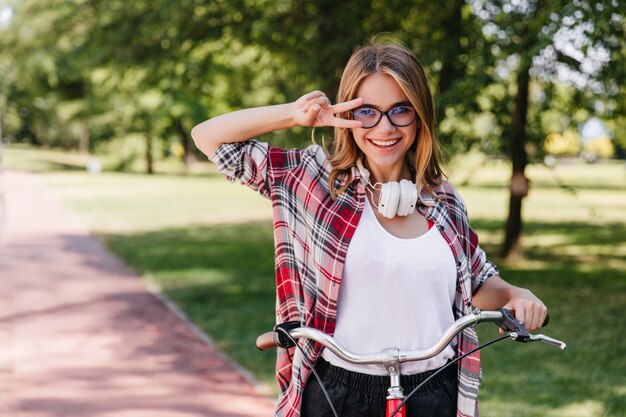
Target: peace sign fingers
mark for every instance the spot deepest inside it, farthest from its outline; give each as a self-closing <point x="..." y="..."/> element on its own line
<point x="315" y="109"/>
<point x="347" y="105"/>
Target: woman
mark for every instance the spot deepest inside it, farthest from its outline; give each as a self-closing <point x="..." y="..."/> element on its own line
<point x="349" y="261"/>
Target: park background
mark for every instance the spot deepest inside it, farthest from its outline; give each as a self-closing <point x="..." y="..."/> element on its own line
<point x="98" y="97"/>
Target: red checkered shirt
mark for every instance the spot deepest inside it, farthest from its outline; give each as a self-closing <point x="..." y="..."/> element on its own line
<point x="311" y="236"/>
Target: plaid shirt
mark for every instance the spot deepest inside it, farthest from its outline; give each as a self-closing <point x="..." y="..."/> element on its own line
<point x="311" y="236"/>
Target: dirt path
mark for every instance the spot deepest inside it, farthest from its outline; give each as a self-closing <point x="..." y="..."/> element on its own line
<point x="81" y="337"/>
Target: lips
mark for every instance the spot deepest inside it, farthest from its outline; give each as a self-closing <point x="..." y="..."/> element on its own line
<point x="386" y="143"/>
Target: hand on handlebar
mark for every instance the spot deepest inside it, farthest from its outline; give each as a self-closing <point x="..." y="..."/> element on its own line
<point x="528" y="309"/>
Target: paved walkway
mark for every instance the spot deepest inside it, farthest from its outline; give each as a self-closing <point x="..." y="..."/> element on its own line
<point x="80" y="336"/>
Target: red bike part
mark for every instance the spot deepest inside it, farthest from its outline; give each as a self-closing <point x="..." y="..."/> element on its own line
<point x="392" y="404"/>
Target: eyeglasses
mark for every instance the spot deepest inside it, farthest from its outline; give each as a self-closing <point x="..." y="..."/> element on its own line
<point x="399" y="116"/>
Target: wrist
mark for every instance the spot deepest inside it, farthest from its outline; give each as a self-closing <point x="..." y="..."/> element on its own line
<point x="290" y="110"/>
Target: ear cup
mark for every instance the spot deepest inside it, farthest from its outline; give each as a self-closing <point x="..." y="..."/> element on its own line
<point x="396" y="199"/>
<point x="408" y="198"/>
<point x="389" y="198"/>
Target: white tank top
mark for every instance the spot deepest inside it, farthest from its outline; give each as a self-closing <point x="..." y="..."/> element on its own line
<point x="395" y="293"/>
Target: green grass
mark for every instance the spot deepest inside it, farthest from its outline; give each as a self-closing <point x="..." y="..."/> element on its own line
<point x="208" y="244"/>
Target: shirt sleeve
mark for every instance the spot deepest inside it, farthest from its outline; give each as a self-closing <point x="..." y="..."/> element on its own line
<point x="481" y="267"/>
<point x="246" y="162"/>
<point x="256" y="164"/>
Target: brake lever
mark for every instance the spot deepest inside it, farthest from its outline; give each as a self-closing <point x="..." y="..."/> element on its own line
<point x="519" y="333"/>
<point x="548" y="340"/>
<point x="509" y="323"/>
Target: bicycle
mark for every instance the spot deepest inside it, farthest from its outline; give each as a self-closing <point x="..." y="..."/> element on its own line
<point x="285" y="335"/>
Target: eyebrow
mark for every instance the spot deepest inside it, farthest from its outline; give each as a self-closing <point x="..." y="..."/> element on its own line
<point x="399" y="103"/>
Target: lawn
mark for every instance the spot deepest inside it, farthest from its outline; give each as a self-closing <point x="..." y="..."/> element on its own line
<point x="208" y="244"/>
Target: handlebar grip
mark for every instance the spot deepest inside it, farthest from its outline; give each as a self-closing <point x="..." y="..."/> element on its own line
<point x="266" y="341"/>
<point x="546" y="321"/>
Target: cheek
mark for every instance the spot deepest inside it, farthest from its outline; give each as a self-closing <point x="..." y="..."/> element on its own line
<point x="358" y="136"/>
<point x="413" y="133"/>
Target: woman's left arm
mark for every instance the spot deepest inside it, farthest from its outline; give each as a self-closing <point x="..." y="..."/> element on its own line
<point x="497" y="293"/>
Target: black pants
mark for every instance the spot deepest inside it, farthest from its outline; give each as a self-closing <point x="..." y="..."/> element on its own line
<point x="362" y="395"/>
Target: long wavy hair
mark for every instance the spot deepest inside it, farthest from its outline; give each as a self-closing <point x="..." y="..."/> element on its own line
<point x="399" y="62"/>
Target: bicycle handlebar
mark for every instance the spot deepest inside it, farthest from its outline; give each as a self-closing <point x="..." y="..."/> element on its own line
<point x="503" y="318"/>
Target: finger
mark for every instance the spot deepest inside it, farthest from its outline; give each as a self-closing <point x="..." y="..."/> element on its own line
<point x="544" y="315"/>
<point x="313" y="94"/>
<point x="539" y="316"/>
<point x="322" y="101"/>
<point x="346" y="123"/>
<point x="520" y="313"/>
<point x="347" y="105"/>
<point x="530" y="319"/>
<point x="312" y="114"/>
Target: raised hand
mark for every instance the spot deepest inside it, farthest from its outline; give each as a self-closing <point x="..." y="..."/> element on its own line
<point x="315" y="109"/>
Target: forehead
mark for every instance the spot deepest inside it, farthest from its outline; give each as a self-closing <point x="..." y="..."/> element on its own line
<point x="381" y="90"/>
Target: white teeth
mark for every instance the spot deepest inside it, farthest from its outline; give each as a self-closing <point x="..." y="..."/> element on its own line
<point x="385" y="143"/>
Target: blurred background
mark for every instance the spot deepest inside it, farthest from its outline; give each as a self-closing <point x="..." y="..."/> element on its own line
<point x="98" y="98"/>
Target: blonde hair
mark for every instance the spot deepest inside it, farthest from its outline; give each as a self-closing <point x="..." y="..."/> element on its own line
<point x="401" y="64"/>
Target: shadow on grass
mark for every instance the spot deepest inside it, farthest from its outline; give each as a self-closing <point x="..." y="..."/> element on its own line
<point x="586" y="296"/>
<point x="565" y="244"/>
<point x="536" y="380"/>
<point x="223" y="277"/>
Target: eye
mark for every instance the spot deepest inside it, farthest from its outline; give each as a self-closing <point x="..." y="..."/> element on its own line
<point x="364" y="112"/>
<point x="401" y="110"/>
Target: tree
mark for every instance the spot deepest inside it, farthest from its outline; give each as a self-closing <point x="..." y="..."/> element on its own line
<point x="546" y="40"/>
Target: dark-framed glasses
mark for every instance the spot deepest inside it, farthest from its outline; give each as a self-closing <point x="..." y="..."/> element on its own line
<point x="399" y="116"/>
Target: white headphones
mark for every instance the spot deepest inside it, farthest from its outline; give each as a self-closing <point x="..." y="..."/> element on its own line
<point x="396" y="199"/>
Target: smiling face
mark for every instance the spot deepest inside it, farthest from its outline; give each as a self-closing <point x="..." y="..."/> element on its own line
<point x="384" y="145"/>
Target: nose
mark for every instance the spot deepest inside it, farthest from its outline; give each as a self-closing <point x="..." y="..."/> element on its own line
<point x="385" y="124"/>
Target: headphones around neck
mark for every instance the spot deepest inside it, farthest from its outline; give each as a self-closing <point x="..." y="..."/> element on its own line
<point x="396" y="199"/>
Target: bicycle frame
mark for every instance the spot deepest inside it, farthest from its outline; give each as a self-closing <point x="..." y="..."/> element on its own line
<point x="392" y="358"/>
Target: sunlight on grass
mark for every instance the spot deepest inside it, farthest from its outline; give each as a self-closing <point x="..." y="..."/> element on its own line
<point x="31" y="159"/>
<point x="587" y="408"/>
<point x="123" y="203"/>
<point x="28" y="158"/>
<point x="184" y="278"/>
<point x="490" y="408"/>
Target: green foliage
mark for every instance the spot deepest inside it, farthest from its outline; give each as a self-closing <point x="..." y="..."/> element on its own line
<point x="77" y="73"/>
<point x="120" y="154"/>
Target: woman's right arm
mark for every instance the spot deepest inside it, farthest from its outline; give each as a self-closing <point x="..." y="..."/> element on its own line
<point x="312" y="109"/>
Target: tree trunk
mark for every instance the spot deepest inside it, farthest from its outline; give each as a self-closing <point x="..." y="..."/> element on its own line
<point x="84" y="139"/>
<point x="184" y="138"/>
<point x="149" y="161"/>
<point x="452" y="25"/>
<point x="519" y="183"/>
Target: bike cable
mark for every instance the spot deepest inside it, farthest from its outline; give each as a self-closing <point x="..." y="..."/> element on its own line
<point x="452" y="362"/>
<point x="332" y="407"/>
